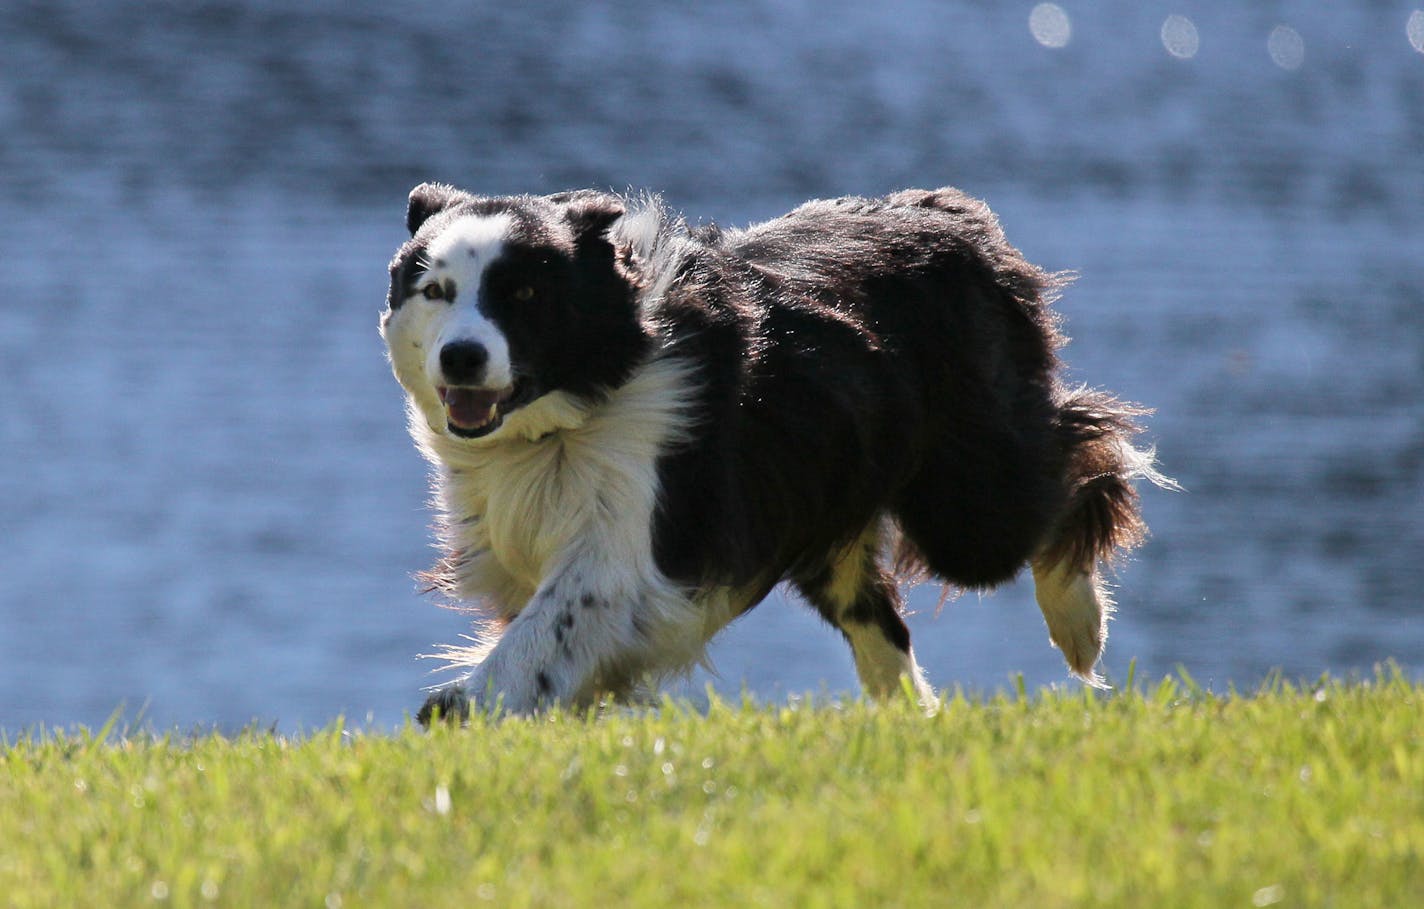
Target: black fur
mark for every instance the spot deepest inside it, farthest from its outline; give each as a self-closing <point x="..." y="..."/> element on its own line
<point x="870" y="357"/>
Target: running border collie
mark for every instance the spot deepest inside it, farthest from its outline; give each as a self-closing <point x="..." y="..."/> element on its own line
<point x="637" y="428"/>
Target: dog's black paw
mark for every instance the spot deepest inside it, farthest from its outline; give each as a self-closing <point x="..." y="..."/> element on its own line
<point x="449" y="705"/>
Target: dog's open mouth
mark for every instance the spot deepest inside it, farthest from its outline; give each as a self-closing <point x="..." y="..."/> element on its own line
<point x="474" y="412"/>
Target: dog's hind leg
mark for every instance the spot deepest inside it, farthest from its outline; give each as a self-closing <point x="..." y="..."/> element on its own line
<point x="858" y="596"/>
<point x="1076" y="608"/>
<point x="1100" y="519"/>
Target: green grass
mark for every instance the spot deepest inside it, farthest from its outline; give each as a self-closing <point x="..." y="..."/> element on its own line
<point x="1297" y="796"/>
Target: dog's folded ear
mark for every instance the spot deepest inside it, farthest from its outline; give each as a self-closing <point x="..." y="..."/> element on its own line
<point x="428" y="199"/>
<point x="590" y="214"/>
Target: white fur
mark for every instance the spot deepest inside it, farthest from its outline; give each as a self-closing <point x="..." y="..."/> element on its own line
<point x="644" y="230"/>
<point x="1077" y="608"/>
<point x="882" y="667"/>
<point x="557" y="471"/>
<point x="879" y="664"/>
<point x="548" y="518"/>
<point x="1076" y="604"/>
<point x="551" y="516"/>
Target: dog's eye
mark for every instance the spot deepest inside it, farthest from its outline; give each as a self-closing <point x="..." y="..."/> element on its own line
<point x="524" y="293"/>
<point x="433" y="291"/>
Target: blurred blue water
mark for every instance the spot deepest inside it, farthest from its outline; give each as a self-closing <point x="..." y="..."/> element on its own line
<point x="208" y="502"/>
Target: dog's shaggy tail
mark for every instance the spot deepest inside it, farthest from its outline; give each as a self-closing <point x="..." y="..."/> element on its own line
<point x="1101" y="519"/>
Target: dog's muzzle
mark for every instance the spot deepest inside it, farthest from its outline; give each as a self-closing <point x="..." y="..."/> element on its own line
<point x="472" y="409"/>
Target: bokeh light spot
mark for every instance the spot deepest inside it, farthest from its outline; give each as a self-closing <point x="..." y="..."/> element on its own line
<point x="1050" y="25"/>
<point x="1414" y="28"/>
<point x="1179" y="36"/>
<point x="1286" y="47"/>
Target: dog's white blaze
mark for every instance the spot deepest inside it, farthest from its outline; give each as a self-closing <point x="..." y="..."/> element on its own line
<point x="460" y="254"/>
<point x="465" y="323"/>
<point x="476" y="237"/>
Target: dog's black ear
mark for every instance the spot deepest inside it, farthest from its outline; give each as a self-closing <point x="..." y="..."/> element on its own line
<point x="428" y="199"/>
<point x="590" y="214"/>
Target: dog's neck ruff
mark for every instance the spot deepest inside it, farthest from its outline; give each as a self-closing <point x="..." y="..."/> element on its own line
<point x="562" y="472"/>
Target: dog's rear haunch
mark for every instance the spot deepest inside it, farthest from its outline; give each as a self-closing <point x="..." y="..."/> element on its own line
<point x="637" y="428"/>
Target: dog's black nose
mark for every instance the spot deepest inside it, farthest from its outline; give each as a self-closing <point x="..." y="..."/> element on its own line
<point x="463" y="362"/>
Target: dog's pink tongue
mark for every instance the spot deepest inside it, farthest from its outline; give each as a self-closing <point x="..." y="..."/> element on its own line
<point x="469" y="408"/>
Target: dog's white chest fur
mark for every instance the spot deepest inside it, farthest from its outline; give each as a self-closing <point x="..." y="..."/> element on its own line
<point x="560" y="480"/>
<point x="550" y="522"/>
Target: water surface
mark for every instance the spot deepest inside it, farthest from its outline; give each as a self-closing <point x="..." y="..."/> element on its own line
<point x="209" y="505"/>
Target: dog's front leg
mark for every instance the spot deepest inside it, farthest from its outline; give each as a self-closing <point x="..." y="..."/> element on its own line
<point x="582" y="632"/>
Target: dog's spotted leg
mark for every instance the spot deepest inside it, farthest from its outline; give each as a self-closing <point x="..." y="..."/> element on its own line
<point x="858" y="596"/>
<point x="586" y="632"/>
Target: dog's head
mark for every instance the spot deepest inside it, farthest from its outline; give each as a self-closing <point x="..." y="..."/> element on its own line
<point x="496" y="303"/>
